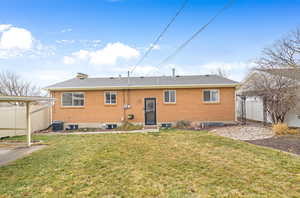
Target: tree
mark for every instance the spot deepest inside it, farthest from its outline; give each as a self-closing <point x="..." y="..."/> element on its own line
<point x="276" y="77"/>
<point x="12" y="84"/>
<point x="221" y="72"/>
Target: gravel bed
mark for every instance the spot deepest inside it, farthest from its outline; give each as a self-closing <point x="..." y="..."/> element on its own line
<point x="244" y="132"/>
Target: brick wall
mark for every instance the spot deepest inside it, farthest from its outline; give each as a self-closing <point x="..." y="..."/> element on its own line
<point x="189" y="106"/>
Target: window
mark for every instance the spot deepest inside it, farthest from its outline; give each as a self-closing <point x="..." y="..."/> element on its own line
<point x="110" y="97"/>
<point x="170" y="96"/>
<point x="211" y="95"/>
<point x="73" y="99"/>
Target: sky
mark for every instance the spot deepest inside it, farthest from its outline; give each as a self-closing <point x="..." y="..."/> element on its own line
<point x="51" y="40"/>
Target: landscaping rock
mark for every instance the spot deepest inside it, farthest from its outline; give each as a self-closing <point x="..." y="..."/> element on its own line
<point x="245" y="132"/>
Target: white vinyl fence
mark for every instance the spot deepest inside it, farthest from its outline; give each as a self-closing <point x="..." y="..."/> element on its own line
<point x="15" y="117"/>
<point x="254" y="111"/>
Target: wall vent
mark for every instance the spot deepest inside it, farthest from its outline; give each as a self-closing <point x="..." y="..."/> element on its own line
<point x="111" y="126"/>
<point x="166" y="125"/>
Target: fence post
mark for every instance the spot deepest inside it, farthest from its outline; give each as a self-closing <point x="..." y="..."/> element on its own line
<point x="28" y="119"/>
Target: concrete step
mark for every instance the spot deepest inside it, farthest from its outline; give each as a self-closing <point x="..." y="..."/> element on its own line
<point x="150" y="127"/>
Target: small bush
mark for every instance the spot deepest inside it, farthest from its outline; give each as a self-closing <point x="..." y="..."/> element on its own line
<point x="283" y="129"/>
<point x="127" y="126"/>
<point x="183" y="124"/>
<point x="280" y="129"/>
<point x="293" y="131"/>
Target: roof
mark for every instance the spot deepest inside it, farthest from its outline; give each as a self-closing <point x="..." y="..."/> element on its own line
<point x="24" y="98"/>
<point x="144" y="82"/>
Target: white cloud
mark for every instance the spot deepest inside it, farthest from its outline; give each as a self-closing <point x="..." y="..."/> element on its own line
<point x="65" y="41"/>
<point x="236" y="70"/>
<point x="4" y="27"/>
<point x="46" y="77"/>
<point x="155" y="47"/>
<point x="82" y="54"/>
<point x="108" y="55"/>
<point x="68" y="60"/>
<point x="16" y="38"/>
<point x="224" y="65"/>
<point x="67" y="30"/>
<point x="18" y="42"/>
<point x="88" y="44"/>
<point x="111" y="52"/>
<point x="146" y="70"/>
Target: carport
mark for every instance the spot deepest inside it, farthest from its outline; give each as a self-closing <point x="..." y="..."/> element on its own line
<point x="27" y="100"/>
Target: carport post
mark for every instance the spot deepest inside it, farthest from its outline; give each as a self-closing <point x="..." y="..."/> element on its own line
<point x="28" y="120"/>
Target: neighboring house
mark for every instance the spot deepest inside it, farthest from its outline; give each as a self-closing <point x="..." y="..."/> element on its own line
<point x="92" y="102"/>
<point x="254" y="104"/>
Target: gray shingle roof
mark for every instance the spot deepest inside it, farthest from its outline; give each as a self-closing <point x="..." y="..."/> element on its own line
<point x="157" y="81"/>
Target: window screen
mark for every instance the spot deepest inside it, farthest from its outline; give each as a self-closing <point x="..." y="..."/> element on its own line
<point x="110" y="97"/>
<point x="211" y="95"/>
<point x="73" y="99"/>
<point x="170" y="96"/>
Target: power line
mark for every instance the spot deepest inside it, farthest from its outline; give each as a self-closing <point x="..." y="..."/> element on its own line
<point x="196" y="33"/>
<point x="160" y="35"/>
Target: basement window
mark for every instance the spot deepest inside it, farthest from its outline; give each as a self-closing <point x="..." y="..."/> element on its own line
<point x="211" y="96"/>
<point x="170" y="96"/>
<point x="110" y="97"/>
<point x="73" y="99"/>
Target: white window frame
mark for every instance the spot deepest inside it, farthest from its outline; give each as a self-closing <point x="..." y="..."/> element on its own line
<point x="210" y="90"/>
<point x="62" y="104"/>
<point x="110" y="92"/>
<point x="169" y="96"/>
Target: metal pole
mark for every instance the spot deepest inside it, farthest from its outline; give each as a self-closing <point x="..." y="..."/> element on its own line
<point x="28" y="119"/>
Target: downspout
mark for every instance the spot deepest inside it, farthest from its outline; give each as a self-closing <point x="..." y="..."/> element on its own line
<point x="127" y="99"/>
<point x="128" y="91"/>
<point x="124" y="103"/>
<point x="235" y="106"/>
<point x="51" y="109"/>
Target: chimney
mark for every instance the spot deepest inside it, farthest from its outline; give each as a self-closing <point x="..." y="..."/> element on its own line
<point x="173" y="72"/>
<point x="81" y="76"/>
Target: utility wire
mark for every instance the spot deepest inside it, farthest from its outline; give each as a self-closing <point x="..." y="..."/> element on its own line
<point x="196" y="33"/>
<point x="160" y="36"/>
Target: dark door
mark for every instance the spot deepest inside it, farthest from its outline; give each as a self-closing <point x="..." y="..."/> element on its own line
<point x="150" y="111"/>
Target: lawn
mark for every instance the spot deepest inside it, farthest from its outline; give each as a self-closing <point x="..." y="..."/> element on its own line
<point x="166" y="164"/>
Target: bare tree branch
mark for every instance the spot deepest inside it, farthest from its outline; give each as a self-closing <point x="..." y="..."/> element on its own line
<point x="12" y="84"/>
<point x="275" y="79"/>
<point x="221" y="72"/>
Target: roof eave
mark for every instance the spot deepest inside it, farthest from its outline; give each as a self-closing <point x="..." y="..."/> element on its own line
<point x="25" y="99"/>
<point x="141" y="87"/>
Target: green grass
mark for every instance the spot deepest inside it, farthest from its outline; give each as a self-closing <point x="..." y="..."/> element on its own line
<point x="168" y="164"/>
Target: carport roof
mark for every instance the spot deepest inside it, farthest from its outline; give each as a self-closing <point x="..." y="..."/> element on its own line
<point x="24" y="99"/>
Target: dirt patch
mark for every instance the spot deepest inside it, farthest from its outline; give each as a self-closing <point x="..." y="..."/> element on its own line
<point x="288" y="143"/>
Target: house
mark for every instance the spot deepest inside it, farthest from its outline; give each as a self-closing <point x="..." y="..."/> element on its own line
<point x="94" y="102"/>
<point x="253" y="105"/>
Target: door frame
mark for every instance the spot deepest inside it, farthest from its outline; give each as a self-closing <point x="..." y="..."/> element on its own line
<point x="150" y="98"/>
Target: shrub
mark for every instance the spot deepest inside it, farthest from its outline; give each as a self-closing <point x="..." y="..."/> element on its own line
<point x="283" y="129"/>
<point x="127" y="126"/>
<point x="183" y="124"/>
<point x="293" y="131"/>
<point x="280" y="128"/>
